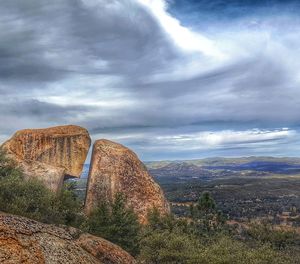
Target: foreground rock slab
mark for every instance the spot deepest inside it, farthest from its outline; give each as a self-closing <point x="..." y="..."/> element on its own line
<point x="29" y="242"/>
<point x="50" y="154"/>
<point x="115" y="168"/>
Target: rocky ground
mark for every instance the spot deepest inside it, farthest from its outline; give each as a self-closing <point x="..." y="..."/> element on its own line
<point x="29" y="242"/>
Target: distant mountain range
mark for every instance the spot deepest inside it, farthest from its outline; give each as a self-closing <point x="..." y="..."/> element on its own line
<point x="225" y="167"/>
<point x="221" y="167"/>
<point x="220" y="161"/>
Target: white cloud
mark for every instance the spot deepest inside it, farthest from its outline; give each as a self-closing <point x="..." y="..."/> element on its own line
<point x="213" y="139"/>
<point x="184" y="37"/>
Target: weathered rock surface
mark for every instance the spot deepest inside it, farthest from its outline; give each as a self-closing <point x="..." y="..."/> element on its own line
<point x="50" y="154"/>
<point x="29" y="242"/>
<point x="115" y="168"/>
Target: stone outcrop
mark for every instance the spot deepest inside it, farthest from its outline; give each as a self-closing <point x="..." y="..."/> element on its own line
<point x="115" y="168"/>
<point x="26" y="241"/>
<point x="50" y="154"/>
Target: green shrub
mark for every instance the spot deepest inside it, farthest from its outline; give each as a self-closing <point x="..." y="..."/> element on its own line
<point x="223" y="249"/>
<point x="7" y="166"/>
<point x="166" y="247"/>
<point x="278" y="237"/>
<point x="170" y="240"/>
<point x="31" y="198"/>
<point x="169" y="247"/>
<point x="117" y="223"/>
<point x="156" y="221"/>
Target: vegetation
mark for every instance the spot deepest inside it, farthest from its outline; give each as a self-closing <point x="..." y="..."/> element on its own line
<point x="239" y="198"/>
<point x="177" y="247"/>
<point x="205" y="216"/>
<point x="32" y="199"/>
<point x="170" y="240"/>
<point x="278" y="237"/>
<point x="117" y="223"/>
<point x="8" y="167"/>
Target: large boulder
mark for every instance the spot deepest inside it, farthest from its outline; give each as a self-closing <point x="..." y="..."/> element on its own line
<point x="26" y="241"/>
<point x="116" y="169"/>
<point x="50" y="154"/>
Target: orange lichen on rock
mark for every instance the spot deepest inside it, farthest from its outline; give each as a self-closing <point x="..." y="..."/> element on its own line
<point x="50" y="154"/>
<point x="26" y="241"/>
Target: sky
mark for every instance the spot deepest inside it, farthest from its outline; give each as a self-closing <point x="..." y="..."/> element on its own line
<point x="177" y="79"/>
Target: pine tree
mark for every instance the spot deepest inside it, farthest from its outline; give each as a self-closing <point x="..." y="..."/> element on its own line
<point x="116" y="223"/>
<point x="205" y="214"/>
<point x="206" y="203"/>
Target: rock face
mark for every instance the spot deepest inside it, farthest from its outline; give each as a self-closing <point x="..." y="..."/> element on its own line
<point x="115" y="168"/>
<point x="26" y="241"/>
<point x="50" y="154"/>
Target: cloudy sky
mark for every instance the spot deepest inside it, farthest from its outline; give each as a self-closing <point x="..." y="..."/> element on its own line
<point x="174" y="79"/>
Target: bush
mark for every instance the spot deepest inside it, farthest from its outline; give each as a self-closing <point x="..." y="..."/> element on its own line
<point x="27" y="198"/>
<point x="116" y="223"/>
<point x="7" y="166"/>
<point x="170" y="240"/>
<point x="278" y="237"/>
<point x="223" y="249"/>
<point x="169" y="247"/>
<point x="32" y="199"/>
<point x="156" y="221"/>
<point x="166" y="247"/>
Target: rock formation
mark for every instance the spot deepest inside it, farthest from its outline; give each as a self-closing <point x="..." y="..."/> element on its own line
<point x="115" y="168"/>
<point x="26" y="241"/>
<point x="50" y="154"/>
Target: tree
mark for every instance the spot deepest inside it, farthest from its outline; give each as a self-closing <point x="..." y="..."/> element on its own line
<point x="206" y="203"/>
<point x="206" y="217"/>
<point x="158" y="222"/>
<point x="117" y="223"/>
<point x="69" y="205"/>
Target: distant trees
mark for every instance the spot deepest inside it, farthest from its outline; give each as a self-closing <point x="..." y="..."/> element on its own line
<point x="206" y="203"/>
<point x="205" y="215"/>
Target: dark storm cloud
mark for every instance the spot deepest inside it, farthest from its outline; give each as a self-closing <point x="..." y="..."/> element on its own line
<point x="22" y="51"/>
<point x="261" y="90"/>
<point x="44" y="41"/>
<point x="41" y="110"/>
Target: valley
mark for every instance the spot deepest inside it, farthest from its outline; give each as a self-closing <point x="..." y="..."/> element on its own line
<point x="243" y="188"/>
